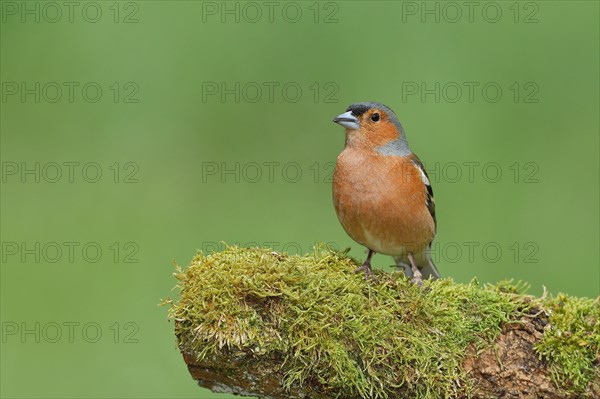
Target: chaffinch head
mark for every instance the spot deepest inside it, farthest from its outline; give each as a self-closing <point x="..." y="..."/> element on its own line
<point x="381" y="191"/>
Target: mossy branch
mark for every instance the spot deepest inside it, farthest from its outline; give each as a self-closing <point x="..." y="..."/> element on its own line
<point x="260" y="323"/>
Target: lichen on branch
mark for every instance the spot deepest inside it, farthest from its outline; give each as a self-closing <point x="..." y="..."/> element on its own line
<point x="325" y="332"/>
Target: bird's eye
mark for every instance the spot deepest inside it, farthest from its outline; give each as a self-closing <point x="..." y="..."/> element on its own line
<point x="375" y="117"/>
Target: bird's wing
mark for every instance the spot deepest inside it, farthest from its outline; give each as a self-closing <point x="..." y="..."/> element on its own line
<point x="430" y="202"/>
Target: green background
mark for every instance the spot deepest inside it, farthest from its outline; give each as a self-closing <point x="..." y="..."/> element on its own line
<point x="366" y="51"/>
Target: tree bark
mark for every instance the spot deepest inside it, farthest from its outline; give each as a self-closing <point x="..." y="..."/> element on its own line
<point x="258" y="323"/>
<point x="509" y="369"/>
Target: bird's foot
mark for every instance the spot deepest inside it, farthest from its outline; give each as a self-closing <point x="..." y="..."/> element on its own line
<point x="366" y="268"/>
<point x="418" y="280"/>
<point x="417" y="276"/>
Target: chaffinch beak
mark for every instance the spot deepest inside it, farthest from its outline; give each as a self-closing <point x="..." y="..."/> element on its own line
<point x="347" y="120"/>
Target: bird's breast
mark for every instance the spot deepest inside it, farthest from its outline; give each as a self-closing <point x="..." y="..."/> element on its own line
<point x="381" y="202"/>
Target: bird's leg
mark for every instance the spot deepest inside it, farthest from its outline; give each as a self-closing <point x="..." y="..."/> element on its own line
<point x="366" y="266"/>
<point x="417" y="276"/>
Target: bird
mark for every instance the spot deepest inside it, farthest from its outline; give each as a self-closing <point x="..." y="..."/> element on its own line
<point x="381" y="192"/>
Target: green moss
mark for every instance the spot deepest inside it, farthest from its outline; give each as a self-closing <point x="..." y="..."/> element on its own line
<point x="357" y="338"/>
<point x="571" y="341"/>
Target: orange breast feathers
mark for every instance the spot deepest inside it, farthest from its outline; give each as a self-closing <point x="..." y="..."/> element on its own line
<point x="381" y="201"/>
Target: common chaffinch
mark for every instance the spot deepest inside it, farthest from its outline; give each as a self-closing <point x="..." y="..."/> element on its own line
<point x="381" y="191"/>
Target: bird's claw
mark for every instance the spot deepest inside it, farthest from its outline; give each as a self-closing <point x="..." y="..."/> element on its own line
<point x="366" y="268"/>
<point x="417" y="280"/>
<point x="417" y="276"/>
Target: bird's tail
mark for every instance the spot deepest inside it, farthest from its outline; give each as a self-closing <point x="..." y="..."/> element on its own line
<point x="428" y="269"/>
